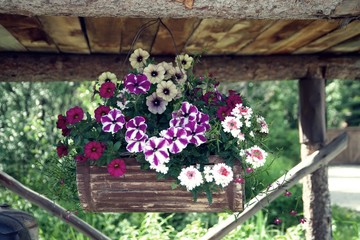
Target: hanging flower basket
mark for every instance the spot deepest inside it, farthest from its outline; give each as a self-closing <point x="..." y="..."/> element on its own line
<point x="170" y="125"/>
<point x="140" y="191"/>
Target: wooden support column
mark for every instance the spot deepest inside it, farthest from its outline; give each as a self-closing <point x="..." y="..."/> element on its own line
<point x="312" y="129"/>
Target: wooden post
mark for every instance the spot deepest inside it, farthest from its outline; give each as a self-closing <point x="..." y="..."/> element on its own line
<point x="312" y="130"/>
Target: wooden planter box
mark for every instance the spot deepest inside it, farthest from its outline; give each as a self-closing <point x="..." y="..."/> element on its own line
<point x="139" y="191"/>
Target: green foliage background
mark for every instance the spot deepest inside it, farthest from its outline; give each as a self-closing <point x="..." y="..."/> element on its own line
<point x="28" y="112"/>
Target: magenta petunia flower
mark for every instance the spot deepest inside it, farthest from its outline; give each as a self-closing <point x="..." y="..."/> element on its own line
<point x="94" y="150"/>
<point x="61" y="122"/>
<point x="101" y="111"/>
<point x="177" y="138"/>
<point x="156" y="151"/>
<point x="74" y="115"/>
<point x="223" y="112"/>
<point x="62" y="150"/>
<point x="210" y="98"/>
<point x="66" y="131"/>
<point x="196" y="133"/>
<point x="138" y="84"/>
<point x="107" y="89"/>
<point x="136" y="128"/>
<point x="233" y="99"/>
<point x="117" y="167"/>
<point x="113" y="121"/>
<point x="80" y="158"/>
<point x="135" y="146"/>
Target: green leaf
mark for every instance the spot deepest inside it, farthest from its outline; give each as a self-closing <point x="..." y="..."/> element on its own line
<point x="209" y="195"/>
<point x="117" y="146"/>
<point x="174" y="185"/>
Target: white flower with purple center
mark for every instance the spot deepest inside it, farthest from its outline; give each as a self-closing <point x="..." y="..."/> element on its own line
<point x="223" y="174"/>
<point x="135" y="146"/>
<point x="187" y="112"/>
<point x="241" y="111"/>
<point x="190" y="177"/>
<point x="232" y="125"/>
<point x="196" y="133"/>
<point x="156" y="151"/>
<point x="263" y="124"/>
<point x="202" y="119"/>
<point x="136" y="128"/>
<point x="156" y="104"/>
<point x="113" y="121"/>
<point x="177" y="138"/>
<point x="138" y="84"/>
<point x="254" y="156"/>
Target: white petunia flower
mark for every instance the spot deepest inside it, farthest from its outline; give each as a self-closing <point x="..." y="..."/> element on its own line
<point x="190" y="177"/>
<point x="107" y="77"/>
<point x="138" y="58"/>
<point x="180" y="76"/>
<point x="223" y="174"/>
<point x="169" y="70"/>
<point x="185" y="60"/>
<point x="166" y="90"/>
<point x="155" y="73"/>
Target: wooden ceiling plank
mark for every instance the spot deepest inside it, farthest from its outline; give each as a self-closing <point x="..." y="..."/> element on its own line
<point x="130" y="29"/>
<point x="240" y="35"/>
<point x="29" y="32"/>
<point x="277" y="33"/>
<point x="351" y="45"/>
<point x="306" y="35"/>
<point x="181" y="30"/>
<point x="8" y="42"/>
<point x="104" y="34"/>
<point x="66" y="33"/>
<point x="207" y="34"/>
<point x="335" y="37"/>
<point x="347" y="8"/>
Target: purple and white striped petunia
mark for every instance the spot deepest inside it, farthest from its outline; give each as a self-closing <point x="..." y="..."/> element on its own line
<point x="138" y="84"/>
<point x="187" y="112"/>
<point x="136" y="128"/>
<point x="196" y="133"/>
<point x="156" y="151"/>
<point x="202" y="119"/>
<point x="177" y="138"/>
<point x="135" y="146"/>
<point x="113" y="121"/>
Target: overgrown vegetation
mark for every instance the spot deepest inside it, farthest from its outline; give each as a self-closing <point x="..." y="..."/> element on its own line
<point x="27" y="138"/>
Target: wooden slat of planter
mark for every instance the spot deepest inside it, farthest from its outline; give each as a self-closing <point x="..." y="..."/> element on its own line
<point x="8" y="42"/>
<point x="351" y="45"/>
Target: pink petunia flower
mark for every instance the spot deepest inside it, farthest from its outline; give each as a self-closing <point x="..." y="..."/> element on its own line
<point x="80" y="158"/>
<point x="107" y="89"/>
<point x="101" y="111"/>
<point x="94" y="150"/>
<point x="62" y="150"/>
<point x="74" y="115"/>
<point x="113" y="121"/>
<point x="116" y="167"/>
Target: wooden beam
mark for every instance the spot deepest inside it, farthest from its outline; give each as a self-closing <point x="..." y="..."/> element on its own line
<point x="278" y="187"/>
<point x="312" y="132"/>
<point x="16" y="67"/>
<point x="236" y="9"/>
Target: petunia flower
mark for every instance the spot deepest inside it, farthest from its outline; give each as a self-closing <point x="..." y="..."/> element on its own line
<point x="116" y="167"/>
<point x="156" y="151"/>
<point x="107" y="90"/>
<point x="169" y="70"/>
<point x="135" y="128"/>
<point x="138" y="58"/>
<point x="166" y="90"/>
<point x="254" y="156"/>
<point x="94" y="150"/>
<point x="233" y="99"/>
<point x="80" y="158"/>
<point x="155" y="73"/>
<point x="107" y="77"/>
<point x="222" y="112"/>
<point x="185" y="60"/>
<point x="188" y="112"/>
<point x="202" y="119"/>
<point x="61" y="122"/>
<point x="122" y="100"/>
<point x="177" y="138"/>
<point x="180" y="75"/>
<point x="74" y="115"/>
<point x="62" y="150"/>
<point x="136" y="145"/>
<point x="113" y="121"/>
<point x="156" y="104"/>
<point x="138" y="84"/>
<point x="101" y="111"/>
<point x="190" y="177"/>
<point x="196" y="133"/>
<point x="223" y="174"/>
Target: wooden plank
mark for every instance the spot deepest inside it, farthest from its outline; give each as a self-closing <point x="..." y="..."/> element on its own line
<point x="8" y="42"/>
<point x="347" y="8"/>
<point x="272" y="37"/>
<point x="351" y="45"/>
<point x="309" y="33"/>
<point x="70" y="67"/>
<point x="240" y="35"/>
<point x="181" y="30"/>
<point x="104" y="34"/>
<point x="132" y="26"/>
<point x="332" y="39"/>
<point x="29" y="32"/>
<point x="66" y="33"/>
<point x="207" y="34"/>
